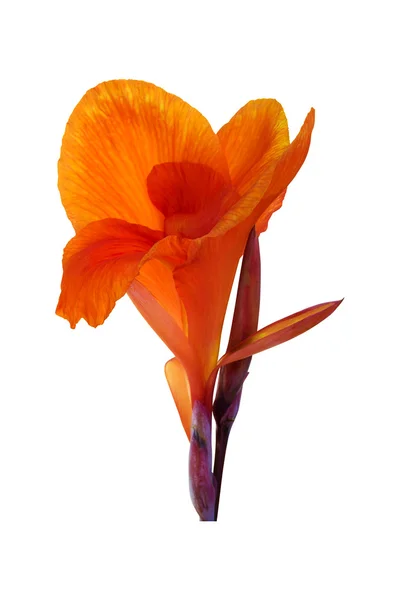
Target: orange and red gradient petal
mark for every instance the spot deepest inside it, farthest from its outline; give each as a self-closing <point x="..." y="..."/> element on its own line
<point x="281" y="331"/>
<point x="117" y="133"/>
<point x="253" y="140"/>
<point x="180" y="389"/>
<point x="269" y="186"/>
<point x="99" y="264"/>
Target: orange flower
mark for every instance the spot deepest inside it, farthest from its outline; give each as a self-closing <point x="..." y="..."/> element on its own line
<point x="162" y="208"/>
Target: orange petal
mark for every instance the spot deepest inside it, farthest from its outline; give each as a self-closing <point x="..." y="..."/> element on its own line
<point x="156" y="274"/>
<point x="291" y="161"/>
<point x="99" y="264"/>
<point x="169" y="331"/>
<point x="281" y="331"/>
<point x="204" y="284"/>
<point x="253" y="140"/>
<point x="155" y="295"/>
<point x="263" y="221"/>
<point x="203" y="271"/>
<point x="117" y="133"/>
<point x="191" y="196"/>
<point x="182" y="290"/>
<point x="157" y="278"/>
<point x="179" y="385"/>
<point x="270" y="185"/>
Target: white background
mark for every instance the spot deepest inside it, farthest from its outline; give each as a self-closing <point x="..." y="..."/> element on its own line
<point x="94" y="499"/>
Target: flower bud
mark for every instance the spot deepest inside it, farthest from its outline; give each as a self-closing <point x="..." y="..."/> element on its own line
<point x="244" y="324"/>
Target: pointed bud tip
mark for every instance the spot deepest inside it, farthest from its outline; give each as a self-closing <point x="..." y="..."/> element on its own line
<point x="337" y="302"/>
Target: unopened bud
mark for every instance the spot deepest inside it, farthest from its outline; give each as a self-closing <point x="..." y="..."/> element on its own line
<point x="244" y="324"/>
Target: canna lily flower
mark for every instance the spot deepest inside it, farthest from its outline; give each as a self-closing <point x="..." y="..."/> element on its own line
<point x="162" y="209"/>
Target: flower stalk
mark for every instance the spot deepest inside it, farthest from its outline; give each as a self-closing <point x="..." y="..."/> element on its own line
<point x="201" y="479"/>
<point x="151" y="222"/>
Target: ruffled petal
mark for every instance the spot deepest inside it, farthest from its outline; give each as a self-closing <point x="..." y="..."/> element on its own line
<point x="253" y="141"/>
<point x="117" y="133"/>
<point x="179" y="385"/>
<point x="99" y="264"/>
<point x="270" y="184"/>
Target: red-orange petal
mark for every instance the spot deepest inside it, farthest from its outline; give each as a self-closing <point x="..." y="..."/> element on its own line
<point x="180" y="389"/>
<point x="270" y="184"/>
<point x="117" y="133"/>
<point x="253" y="140"/>
<point x="99" y="264"/>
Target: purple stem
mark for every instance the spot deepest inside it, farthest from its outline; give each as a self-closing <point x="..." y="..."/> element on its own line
<point x="201" y="479"/>
<point x="224" y="426"/>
